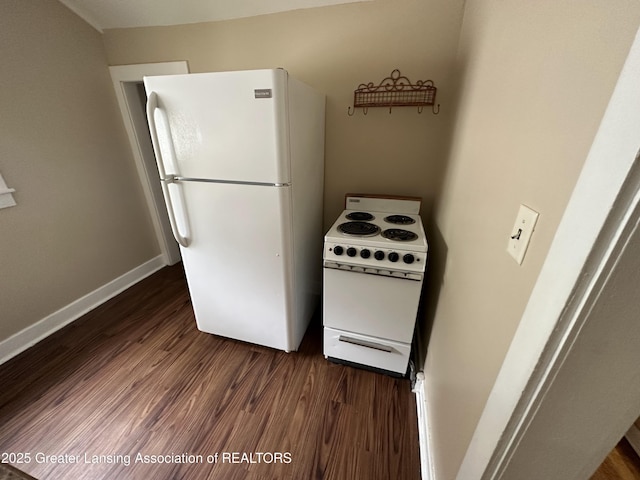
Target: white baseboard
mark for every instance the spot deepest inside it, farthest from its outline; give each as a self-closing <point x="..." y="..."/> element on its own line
<point x="633" y="437"/>
<point x="31" y="335"/>
<point x="424" y="431"/>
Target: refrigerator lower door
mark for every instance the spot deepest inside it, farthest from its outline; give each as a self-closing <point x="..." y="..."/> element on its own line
<point x="238" y="263"/>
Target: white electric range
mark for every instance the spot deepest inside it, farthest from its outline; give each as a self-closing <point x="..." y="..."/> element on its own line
<point x="375" y="256"/>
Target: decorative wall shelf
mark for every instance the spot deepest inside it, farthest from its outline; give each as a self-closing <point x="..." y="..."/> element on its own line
<point x="395" y="91"/>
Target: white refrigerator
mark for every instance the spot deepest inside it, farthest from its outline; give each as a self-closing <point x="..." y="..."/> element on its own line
<point x="241" y="162"/>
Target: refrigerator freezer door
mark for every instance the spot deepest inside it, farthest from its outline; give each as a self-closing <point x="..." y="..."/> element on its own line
<point x="228" y="126"/>
<point x="238" y="264"/>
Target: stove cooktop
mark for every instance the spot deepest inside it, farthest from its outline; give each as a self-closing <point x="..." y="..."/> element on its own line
<point x="377" y="245"/>
<point x="382" y="230"/>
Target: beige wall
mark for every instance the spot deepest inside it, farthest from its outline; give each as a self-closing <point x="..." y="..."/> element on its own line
<point x="335" y="49"/>
<point x="80" y="220"/>
<point x="535" y="78"/>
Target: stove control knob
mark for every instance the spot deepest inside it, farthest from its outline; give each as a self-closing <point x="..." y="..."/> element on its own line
<point x="338" y="250"/>
<point x="379" y="255"/>
<point x="365" y="253"/>
<point x="351" y="252"/>
<point x="393" y="257"/>
<point x="408" y="258"/>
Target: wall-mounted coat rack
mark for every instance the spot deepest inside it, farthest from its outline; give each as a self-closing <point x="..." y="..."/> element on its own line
<point x="395" y="91"/>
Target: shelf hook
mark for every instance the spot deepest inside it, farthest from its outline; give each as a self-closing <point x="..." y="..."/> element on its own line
<point x="433" y="109"/>
<point x="351" y="111"/>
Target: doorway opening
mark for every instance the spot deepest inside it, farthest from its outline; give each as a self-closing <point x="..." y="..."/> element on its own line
<point x="129" y="88"/>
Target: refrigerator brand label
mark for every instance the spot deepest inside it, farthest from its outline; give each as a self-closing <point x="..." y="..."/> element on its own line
<point x="263" y="93"/>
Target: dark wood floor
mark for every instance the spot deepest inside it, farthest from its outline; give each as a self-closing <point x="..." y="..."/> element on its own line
<point x="621" y="464"/>
<point x="136" y="377"/>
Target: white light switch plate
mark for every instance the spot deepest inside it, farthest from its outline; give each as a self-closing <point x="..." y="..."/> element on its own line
<point x="521" y="233"/>
<point x="6" y="197"/>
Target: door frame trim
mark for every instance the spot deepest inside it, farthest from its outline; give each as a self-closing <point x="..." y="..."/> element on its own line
<point x="122" y="75"/>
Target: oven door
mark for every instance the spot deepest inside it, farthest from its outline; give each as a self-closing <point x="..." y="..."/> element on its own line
<point x="368" y="304"/>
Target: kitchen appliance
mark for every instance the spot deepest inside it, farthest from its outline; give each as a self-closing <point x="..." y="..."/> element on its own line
<point x="241" y="161"/>
<point x="375" y="256"/>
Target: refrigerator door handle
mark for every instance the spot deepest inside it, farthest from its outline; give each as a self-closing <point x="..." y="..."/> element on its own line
<point x="181" y="239"/>
<point x="152" y="106"/>
<point x="152" y="109"/>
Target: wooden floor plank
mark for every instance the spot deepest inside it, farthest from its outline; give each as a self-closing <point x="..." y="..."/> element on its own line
<point x="621" y="464"/>
<point x="135" y="376"/>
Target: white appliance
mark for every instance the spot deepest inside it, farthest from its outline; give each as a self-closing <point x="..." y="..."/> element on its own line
<point x="241" y="161"/>
<point x="375" y="256"/>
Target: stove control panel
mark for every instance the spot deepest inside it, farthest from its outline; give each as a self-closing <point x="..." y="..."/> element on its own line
<point x="396" y="259"/>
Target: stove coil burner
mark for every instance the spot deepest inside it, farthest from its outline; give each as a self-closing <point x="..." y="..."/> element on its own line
<point x="359" y="229"/>
<point x="399" y="235"/>
<point x="399" y="220"/>
<point x="360" y="216"/>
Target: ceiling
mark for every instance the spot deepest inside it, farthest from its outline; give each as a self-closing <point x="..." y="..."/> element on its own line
<point x="103" y="14"/>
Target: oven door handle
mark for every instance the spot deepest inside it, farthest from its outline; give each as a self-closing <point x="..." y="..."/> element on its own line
<point x="364" y="343"/>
